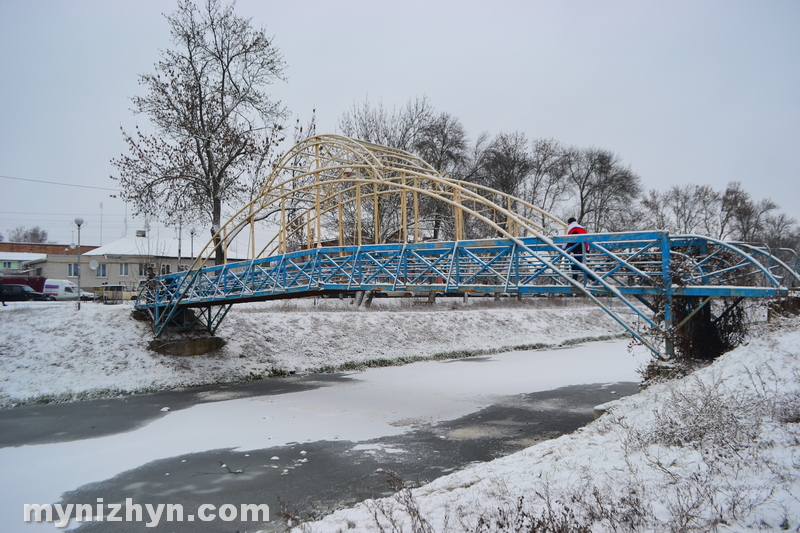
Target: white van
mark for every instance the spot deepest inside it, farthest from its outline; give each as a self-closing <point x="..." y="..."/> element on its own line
<point x="62" y="289"/>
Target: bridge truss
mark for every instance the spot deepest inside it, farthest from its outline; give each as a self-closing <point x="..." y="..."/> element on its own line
<point x="349" y="217"/>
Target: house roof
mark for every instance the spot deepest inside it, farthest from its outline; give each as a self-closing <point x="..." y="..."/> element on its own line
<point x="144" y="246"/>
<point x="36" y="248"/>
<point x="21" y="256"/>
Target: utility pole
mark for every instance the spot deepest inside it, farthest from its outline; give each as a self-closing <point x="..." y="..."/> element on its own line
<point x="79" y="223"/>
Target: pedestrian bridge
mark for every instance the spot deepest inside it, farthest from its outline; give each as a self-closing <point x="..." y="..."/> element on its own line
<point x="353" y="217"/>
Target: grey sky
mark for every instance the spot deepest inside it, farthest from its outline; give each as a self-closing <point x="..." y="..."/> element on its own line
<point x="702" y="92"/>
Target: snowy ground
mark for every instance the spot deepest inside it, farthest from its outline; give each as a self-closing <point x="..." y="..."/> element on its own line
<point x="55" y="351"/>
<point x="718" y="450"/>
<point x="50" y="351"/>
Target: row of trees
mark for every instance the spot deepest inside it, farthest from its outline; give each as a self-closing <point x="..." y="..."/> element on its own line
<point x="592" y="184"/>
<point x="23" y="234"/>
<point x="216" y="130"/>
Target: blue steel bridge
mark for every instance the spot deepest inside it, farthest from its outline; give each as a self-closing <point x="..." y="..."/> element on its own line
<point x="357" y="217"/>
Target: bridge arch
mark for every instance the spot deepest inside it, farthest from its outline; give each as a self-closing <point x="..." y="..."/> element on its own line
<point x="333" y="190"/>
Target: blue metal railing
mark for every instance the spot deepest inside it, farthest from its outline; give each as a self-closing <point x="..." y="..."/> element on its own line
<point x="627" y="267"/>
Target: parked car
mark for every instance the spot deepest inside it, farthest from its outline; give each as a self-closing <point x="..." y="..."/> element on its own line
<point x="114" y="293"/>
<point x="62" y="289"/>
<point x="22" y="293"/>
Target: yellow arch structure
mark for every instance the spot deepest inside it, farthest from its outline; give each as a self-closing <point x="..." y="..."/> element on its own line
<point x="330" y="190"/>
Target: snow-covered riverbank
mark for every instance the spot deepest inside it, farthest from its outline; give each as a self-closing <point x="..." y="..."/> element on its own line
<point x="52" y="352"/>
<point x="718" y="450"/>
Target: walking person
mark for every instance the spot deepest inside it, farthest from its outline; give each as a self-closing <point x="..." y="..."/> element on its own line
<point x="577" y="249"/>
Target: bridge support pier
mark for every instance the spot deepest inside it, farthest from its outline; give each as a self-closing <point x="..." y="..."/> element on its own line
<point x="368" y="299"/>
<point x="359" y="298"/>
<point x="186" y="347"/>
<point x="666" y="272"/>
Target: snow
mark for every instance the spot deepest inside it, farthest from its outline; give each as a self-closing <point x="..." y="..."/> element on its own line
<point x="154" y="246"/>
<point x="21" y="256"/>
<point x="644" y="465"/>
<point x="101" y="351"/>
<point x="717" y="450"/>
<point x="144" y="246"/>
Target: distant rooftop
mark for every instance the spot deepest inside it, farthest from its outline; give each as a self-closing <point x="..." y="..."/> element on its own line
<point x="33" y="248"/>
<point x="20" y="256"/>
<point x="145" y="246"/>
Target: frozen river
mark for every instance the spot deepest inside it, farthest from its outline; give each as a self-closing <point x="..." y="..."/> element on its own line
<point x="314" y="441"/>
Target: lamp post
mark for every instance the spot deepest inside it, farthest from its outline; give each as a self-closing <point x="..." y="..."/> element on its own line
<point x="79" y="223"/>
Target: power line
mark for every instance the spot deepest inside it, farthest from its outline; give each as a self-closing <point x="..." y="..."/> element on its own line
<point x="57" y="183"/>
<point x="57" y="214"/>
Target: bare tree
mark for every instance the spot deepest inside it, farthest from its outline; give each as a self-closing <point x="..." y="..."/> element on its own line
<point x="683" y="201"/>
<point x="604" y="190"/>
<point x="442" y="143"/>
<point x="614" y="200"/>
<point x="654" y="213"/>
<point x="396" y="129"/>
<point x="473" y="168"/>
<point x="506" y="165"/>
<point x="688" y="209"/>
<point x="709" y="204"/>
<point x="733" y="199"/>
<point x="367" y="123"/>
<point x="215" y="124"/>
<point x="731" y="214"/>
<point x="780" y="231"/>
<point x="743" y="218"/>
<point x="546" y="186"/>
<point x="401" y="129"/>
<point x="33" y="235"/>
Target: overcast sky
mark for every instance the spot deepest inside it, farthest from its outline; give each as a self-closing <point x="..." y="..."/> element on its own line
<point x="685" y="91"/>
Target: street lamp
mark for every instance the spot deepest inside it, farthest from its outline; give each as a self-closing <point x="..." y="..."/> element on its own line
<point x="79" y="223"/>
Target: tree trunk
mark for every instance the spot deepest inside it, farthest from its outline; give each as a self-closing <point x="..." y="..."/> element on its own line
<point x="219" y="256"/>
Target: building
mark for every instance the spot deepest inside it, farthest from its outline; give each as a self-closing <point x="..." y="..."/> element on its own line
<point x="34" y="259"/>
<point x="122" y="262"/>
<point x="126" y="261"/>
<point x="16" y="262"/>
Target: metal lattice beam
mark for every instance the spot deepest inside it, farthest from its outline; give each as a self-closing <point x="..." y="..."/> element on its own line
<point x="624" y="266"/>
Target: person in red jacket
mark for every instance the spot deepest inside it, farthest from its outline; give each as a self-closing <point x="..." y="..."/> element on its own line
<point x="577" y="249"/>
